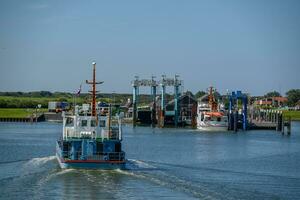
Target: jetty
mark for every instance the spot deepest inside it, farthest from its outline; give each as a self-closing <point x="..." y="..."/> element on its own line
<point x="270" y="119"/>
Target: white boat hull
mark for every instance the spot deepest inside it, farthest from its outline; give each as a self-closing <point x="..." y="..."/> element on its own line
<point x="212" y="128"/>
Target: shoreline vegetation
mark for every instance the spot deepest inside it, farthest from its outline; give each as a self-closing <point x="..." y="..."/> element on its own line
<point x="27" y="112"/>
<point x="24" y="104"/>
<point x="32" y="99"/>
<point x="293" y="114"/>
<point x="20" y="112"/>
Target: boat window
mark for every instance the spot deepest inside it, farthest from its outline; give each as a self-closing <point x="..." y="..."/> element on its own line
<point x="84" y="123"/>
<point x="70" y="122"/>
<point x="93" y="123"/>
<point x="219" y="119"/>
<point x="102" y="123"/>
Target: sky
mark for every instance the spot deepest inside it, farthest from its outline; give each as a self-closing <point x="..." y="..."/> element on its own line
<point x="253" y="46"/>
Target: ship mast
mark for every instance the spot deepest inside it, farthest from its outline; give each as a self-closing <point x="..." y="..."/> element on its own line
<point x="212" y="101"/>
<point x="93" y="91"/>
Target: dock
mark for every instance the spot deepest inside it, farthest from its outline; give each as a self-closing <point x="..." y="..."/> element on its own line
<point x="263" y="119"/>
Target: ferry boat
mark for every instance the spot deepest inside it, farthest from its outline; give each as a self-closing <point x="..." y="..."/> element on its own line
<point x="90" y="140"/>
<point x="210" y="117"/>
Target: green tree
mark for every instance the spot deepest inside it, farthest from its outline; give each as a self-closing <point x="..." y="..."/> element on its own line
<point x="273" y="94"/>
<point x="293" y="96"/>
<point x="45" y="94"/>
<point x="189" y="93"/>
<point x="200" y="94"/>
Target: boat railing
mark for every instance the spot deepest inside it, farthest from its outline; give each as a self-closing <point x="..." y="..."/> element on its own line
<point x="108" y="156"/>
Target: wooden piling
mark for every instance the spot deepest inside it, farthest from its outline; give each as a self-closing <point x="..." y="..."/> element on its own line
<point x="278" y="121"/>
<point x="282" y="125"/>
<point x="289" y="126"/>
<point x="194" y="116"/>
<point x="235" y="121"/>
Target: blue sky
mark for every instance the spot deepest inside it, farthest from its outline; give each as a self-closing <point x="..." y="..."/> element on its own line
<point x="249" y="45"/>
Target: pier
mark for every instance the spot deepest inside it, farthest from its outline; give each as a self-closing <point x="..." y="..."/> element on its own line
<point x="269" y="119"/>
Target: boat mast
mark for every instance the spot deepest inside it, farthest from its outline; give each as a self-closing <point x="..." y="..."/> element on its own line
<point x="212" y="101"/>
<point x="93" y="91"/>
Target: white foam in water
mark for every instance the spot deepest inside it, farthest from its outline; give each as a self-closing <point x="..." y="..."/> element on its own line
<point x="165" y="179"/>
<point x="37" y="164"/>
<point x="138" y="164"/>
<point x="55" y="174"/>
<point x="39" y="161"/>
<point x="64" y="171"/>
<point x="130" y="173"/>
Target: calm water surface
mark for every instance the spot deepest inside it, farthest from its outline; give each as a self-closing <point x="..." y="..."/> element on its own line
<point x="162" y="164"/>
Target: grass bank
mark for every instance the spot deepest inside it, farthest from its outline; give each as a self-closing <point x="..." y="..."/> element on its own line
<point x="295" y="115"/>
<point x="18" y="112"/>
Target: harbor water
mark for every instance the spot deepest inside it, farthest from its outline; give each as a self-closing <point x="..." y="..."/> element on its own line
<point x="164" y="163"/>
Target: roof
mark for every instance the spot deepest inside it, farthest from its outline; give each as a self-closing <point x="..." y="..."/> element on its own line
<point x="181" y="97"/>
<point x="214" y="114"/>
<point x="281" y="99"/>
<point x="263" y="102"/>
<point x="203" y="98"/>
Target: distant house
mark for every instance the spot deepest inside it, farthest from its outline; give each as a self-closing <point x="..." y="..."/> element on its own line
<point x="263" y="102"/>
<point x="272" y="101"/>
<point x="279" y="101"/>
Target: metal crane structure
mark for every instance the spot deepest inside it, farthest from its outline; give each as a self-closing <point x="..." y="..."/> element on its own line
<point x="164" y="82"/>
<point x="144" y="83"/>
<point x="169" y="82"/>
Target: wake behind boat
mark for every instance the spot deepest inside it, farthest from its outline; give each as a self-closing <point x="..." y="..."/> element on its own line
<point x="90" y="140"/>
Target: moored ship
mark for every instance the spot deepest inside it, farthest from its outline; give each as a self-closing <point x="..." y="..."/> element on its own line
<point x="209" y="115"/>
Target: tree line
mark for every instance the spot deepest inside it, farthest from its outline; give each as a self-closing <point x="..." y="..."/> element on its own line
<point x="32" y="99"/>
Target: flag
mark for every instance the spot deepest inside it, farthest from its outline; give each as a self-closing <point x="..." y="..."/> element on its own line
<point x="78" y="90"/>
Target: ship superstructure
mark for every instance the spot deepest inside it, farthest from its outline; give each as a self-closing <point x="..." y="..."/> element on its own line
<point x="91" y="140"/>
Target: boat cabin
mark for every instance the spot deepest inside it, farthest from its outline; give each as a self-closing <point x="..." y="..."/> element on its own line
<point x="88" y="127"/>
